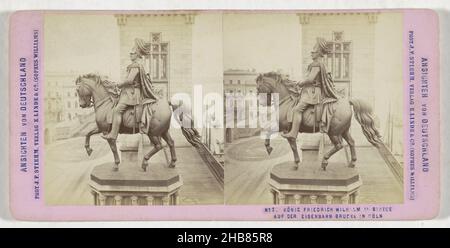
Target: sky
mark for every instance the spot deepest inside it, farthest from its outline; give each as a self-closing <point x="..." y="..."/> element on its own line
<point x="82" y="43"/>
<point x="265" y="42"/>
<point x="86" y="43"/>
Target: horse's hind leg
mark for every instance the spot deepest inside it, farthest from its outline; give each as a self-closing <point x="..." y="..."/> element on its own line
<point x="346" y="135"/>
<point x="166" y="136"/>
<point x="293" y="144"/>
<point x="113" y="146"/>
<point x="156" y="148"/>
<point x="337" y="142"/>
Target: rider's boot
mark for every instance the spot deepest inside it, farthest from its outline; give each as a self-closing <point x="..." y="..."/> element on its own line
<point x="295" y="127"/>
<point x="117" y="120"/>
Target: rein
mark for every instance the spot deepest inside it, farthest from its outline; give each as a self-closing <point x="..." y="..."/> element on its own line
<point x="286" y="98"/>
<point x="101" y="102"/>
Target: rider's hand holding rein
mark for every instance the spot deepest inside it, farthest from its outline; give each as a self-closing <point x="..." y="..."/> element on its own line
<point x="306" y="83"/>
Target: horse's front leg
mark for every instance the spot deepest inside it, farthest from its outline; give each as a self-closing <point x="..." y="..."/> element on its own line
<point x="269" y="149"/>
<point x="293" y="144"/>
<point x="113" y="146"/>
<point x="87" y="142"/>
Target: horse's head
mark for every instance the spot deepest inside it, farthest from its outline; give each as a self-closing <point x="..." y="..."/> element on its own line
<point x="84" y="91"/>
<point x="266" y="85"/>
<point x="92" y="87"/>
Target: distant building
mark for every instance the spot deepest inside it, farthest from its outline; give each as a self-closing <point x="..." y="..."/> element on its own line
<point x="61" y="99"/>
<point x="61" y="108"/>
<point x="240" y="81"/>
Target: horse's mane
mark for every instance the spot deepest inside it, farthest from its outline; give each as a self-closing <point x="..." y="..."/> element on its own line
<point x="278" y="77"/>
<point x="110" y="86"/>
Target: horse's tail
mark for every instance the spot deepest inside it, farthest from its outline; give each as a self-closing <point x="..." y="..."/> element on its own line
<point x="363" y="114"/>
<point x="190" y="133"/>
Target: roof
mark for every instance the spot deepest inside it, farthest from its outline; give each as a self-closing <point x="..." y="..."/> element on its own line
<point x="240" y="72"/>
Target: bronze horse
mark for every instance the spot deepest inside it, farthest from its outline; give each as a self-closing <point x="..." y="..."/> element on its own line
<point x="339" y="125"/>
<point x="103" y="94"/>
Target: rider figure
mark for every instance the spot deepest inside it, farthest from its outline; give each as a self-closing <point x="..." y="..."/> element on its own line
<point x="135" y="87"/>
<point x="318" y="85"/>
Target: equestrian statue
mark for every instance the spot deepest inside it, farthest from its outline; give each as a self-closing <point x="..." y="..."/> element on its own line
<point x="313" y="105"/>
<point x="133" y="106"/>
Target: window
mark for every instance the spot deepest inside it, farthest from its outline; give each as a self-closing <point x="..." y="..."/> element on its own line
<point x="338" y="60"/>
<point x="158" y="58"/>
<point x="68" y="105"/>
<point x="231" y="81"/>
<point x="239" y="81"/>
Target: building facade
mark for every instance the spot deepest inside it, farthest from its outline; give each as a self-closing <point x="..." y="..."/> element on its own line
<point x="170" y="35"/>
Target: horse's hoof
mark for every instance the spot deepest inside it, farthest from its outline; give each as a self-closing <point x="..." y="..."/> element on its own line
<point x="352" y="165"/>
<point x="324" y="165"/>
<point x="172" y="165"/>
<point x="89" y="151"/>
<point x="269" y="149"/>
<point x="144" y="165"/>
<point x="115" y="167"/>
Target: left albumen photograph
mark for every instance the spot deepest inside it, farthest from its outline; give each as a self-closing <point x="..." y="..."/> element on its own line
<point x="128" y="101"/>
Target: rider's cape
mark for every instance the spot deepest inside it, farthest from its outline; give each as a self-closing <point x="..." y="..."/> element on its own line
<point x="148" y="94"/>
<point x="147" y="90"/>
<point x="328" y="89"/>
<point x="330" y="98"/>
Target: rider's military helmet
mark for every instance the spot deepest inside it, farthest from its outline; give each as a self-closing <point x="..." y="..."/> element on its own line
<point x="321" y="47"/>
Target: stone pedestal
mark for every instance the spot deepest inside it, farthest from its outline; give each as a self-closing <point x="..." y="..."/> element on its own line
<point x="159" y="185"/>
<point x="309" y="184"/>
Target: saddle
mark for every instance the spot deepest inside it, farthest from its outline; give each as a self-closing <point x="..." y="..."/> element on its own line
<point x="315" y="116"/>
<point x="135" y="115"/>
